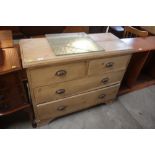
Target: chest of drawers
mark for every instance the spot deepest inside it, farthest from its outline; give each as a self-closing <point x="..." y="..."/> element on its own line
<point x="60" y="85"/>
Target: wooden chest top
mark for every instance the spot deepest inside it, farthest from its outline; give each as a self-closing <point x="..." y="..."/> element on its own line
<point x="37" y="51"/>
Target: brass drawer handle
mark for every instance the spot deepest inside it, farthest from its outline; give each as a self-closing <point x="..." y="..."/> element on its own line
<point x="60" y="108"/>
<point x="60" y="91"/>
<point x="105" y="80"/>
<point x="61" y="73"/>
<point x="102" y="96"/>
<point x="109" y="64"/>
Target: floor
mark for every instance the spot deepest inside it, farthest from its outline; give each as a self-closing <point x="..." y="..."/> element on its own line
<point x="135" y="110"/>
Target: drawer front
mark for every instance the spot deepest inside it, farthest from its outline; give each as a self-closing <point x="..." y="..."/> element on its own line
<point x="100" y="66"/>
<point x="52" y="74"/>
<point x="75" y="103"/>
<point x="65" y="89"/>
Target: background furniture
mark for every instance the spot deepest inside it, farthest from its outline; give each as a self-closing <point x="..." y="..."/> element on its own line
<point x="137" y="60"/>
<point x="97" y="29"/>
<point x="30" y="31"/>
<point x="117" y="30"/>
<point x="6" y="39"/>
<point x="70" y="29"/>
<point x="12" y="92"/>
<point x="150" y="29"/>
<point x="16" y="31"/>
<point x="133" y="32"/>
<point x="141" y="70"/>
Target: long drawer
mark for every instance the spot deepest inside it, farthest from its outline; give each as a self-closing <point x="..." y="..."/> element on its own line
<point x="65" y="89"/>
<point x="100" y="66"/>
<point x="53" y="74"/>
<point x="68" y="105"/>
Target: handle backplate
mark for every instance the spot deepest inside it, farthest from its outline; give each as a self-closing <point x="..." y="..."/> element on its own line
<point x="61" y="73"/>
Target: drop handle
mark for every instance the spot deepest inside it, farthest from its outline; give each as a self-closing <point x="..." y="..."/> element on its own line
<point x="109" y="64"/>
<point x="105" y="80"/>
<point x="60" y="91"/>
<point x="61" y="108"/>
<point x="61" y="73"/>
<point x="102" y="96"/>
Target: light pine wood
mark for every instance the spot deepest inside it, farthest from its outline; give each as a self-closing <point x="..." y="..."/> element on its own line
<point x="31" y="92"/>
<point x="35" y="49"/>
<point x="66" y="89"/>
<point x="150" y="29"/>
<point x="100" y="37"/>
<point x="60" y="85"/>
<point x="52" y="110"/>
<point x="100" y="66"/>
<point x="6" y="39"/>
<point x="133" y="32"/>
<point x="114" y="48"/>
<point x="37" y="52"/>
<point x="140" y="44"/>
<point x="48" y="75"/>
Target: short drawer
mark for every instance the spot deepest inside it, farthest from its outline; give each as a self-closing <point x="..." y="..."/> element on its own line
<point x="65" y="89"/>
<point x="75" y="103"/>
<point x="52" y="74"/>
<point x="100" y="66"/>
